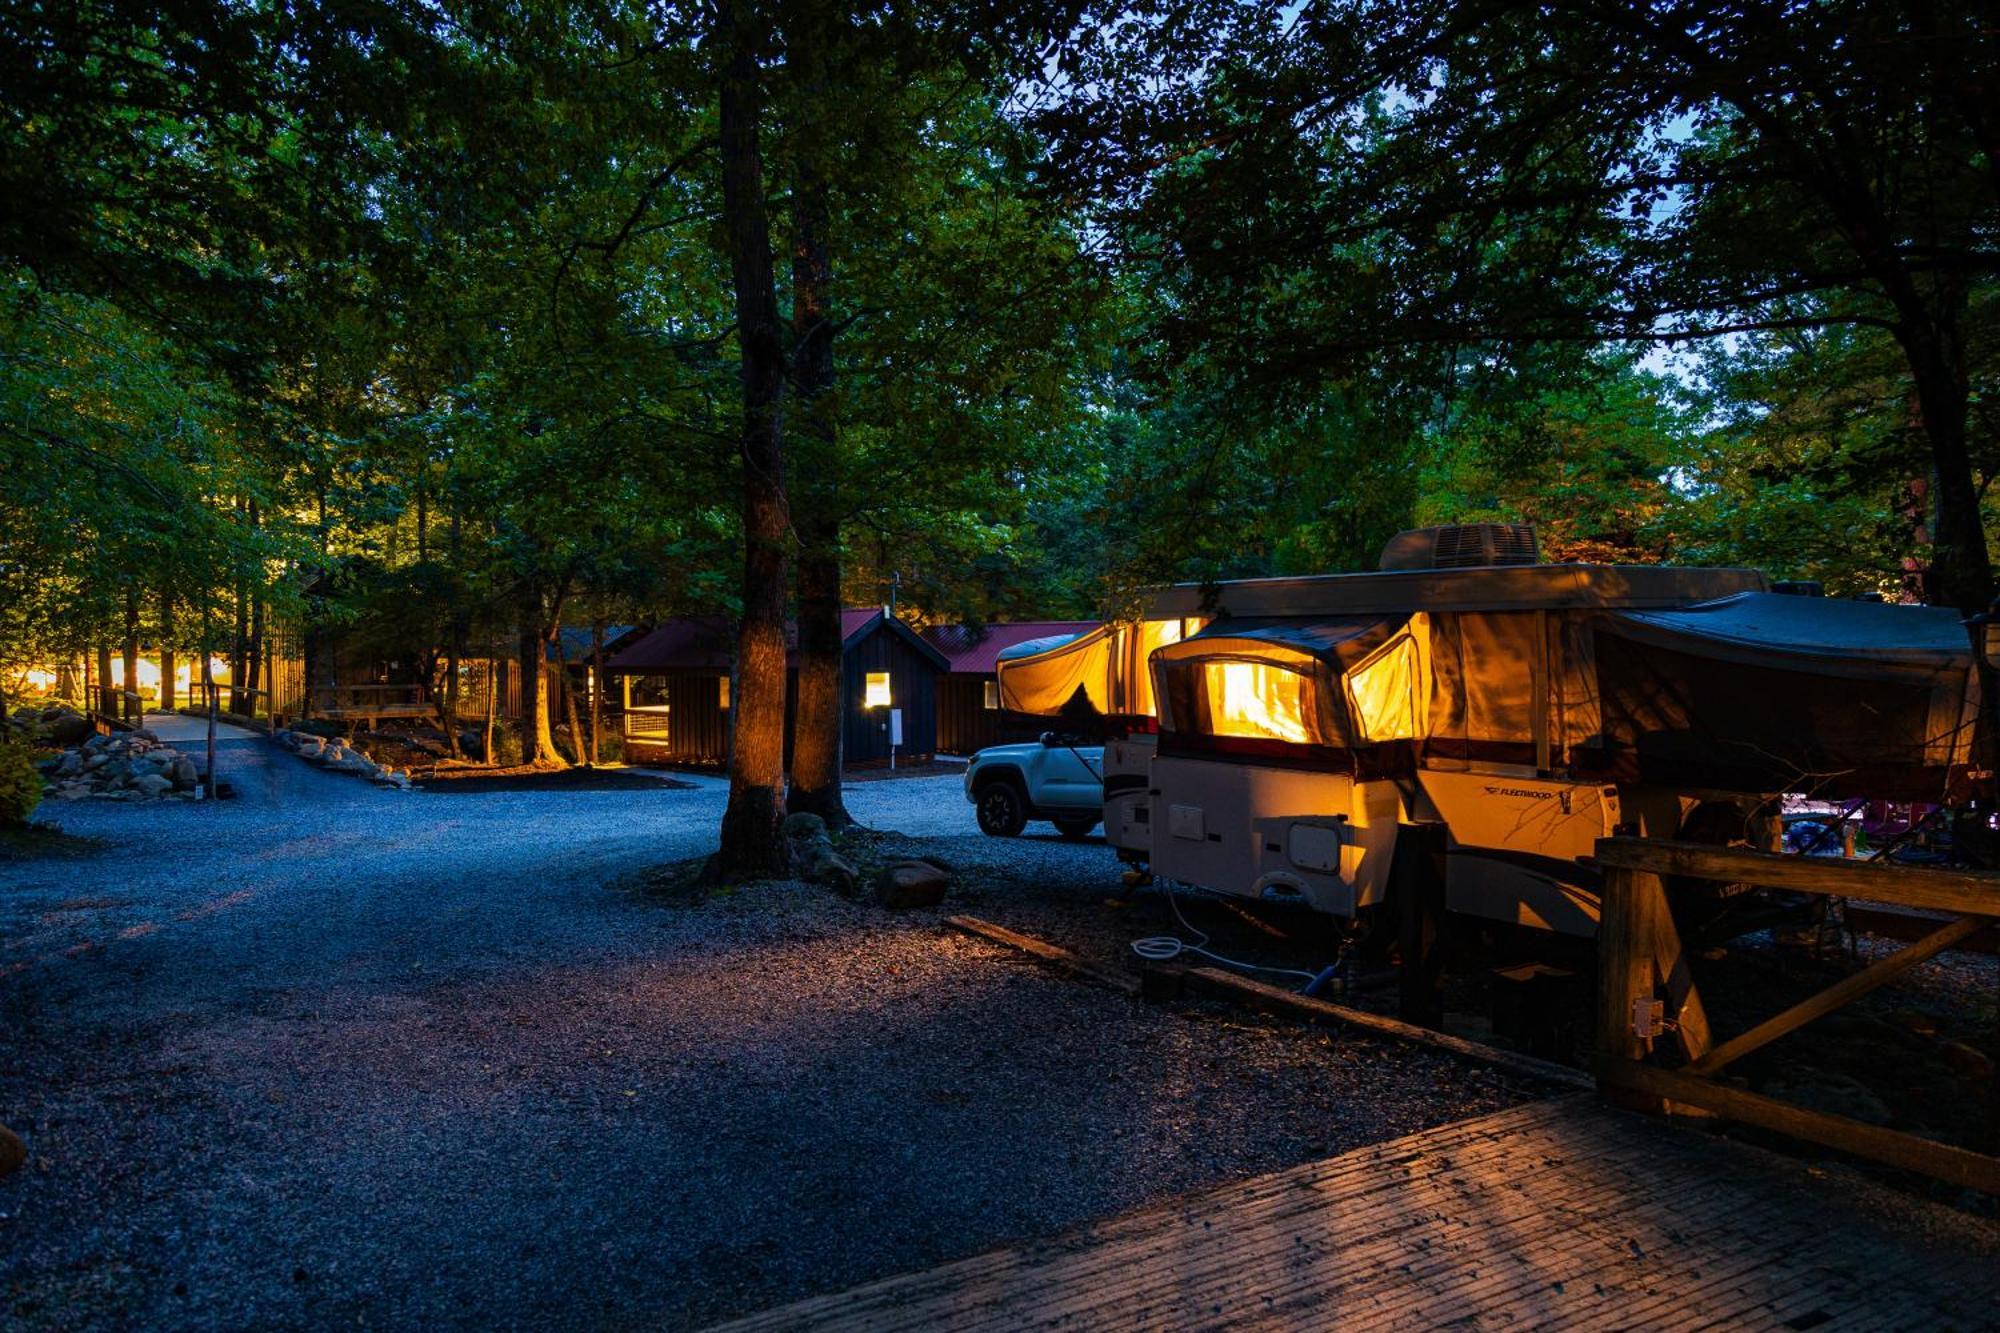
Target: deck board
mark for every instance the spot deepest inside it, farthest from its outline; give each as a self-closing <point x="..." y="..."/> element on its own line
<point x="1556" y="1214"/>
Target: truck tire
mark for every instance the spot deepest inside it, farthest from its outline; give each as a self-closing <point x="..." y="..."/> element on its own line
<point x="1074" y="827"/>
<point x="1002" y="809"/>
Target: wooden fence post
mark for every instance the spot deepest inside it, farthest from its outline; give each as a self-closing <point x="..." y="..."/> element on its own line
<point x="1627" y="943"/>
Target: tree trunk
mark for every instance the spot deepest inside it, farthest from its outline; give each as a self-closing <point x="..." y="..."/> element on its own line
<point x="169" y="665"/>
<point x="576" y="741"/>
<point x="492" y="707"/>
<point x="448" y="704"/>
<point x="538" y="744"/>
<point x="1961" y="565"/>
<point x="253" y="677"/>
<point x="752" y="843"/>
<point x="107" y="693"/>
<point x="816" y="742"/>
<point x="238" y="645"/>
<point x="596" y="691"/>
<point x="134" y="709"/>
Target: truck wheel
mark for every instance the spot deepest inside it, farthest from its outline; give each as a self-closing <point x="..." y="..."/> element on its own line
<point x="1075" y="826"/>
<point x="1002" y="810"/>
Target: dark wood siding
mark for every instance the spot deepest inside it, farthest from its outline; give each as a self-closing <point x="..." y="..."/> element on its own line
<point x="912" y="687"/>
<point x="965" y="725"/>
<point x="697" y="723"/>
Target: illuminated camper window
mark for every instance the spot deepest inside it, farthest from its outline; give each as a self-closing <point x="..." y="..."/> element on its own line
<point x="1258" y="700"/>
<point x="1386" y="692"/>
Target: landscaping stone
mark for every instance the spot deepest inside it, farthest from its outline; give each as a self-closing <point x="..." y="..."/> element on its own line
<point x="152" y="784"/>
<point x="906" y="884"/>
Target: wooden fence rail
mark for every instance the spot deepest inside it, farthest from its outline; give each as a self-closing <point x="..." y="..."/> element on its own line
<point x="1641" y="965"/>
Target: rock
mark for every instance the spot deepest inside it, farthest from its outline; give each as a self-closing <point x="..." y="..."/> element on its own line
<point x="153" y="784"/>
<point x="828" y="867"/>
<point x="185" y="774"/>
<point x="69" y="765"/>
<point x="911" y="884"/>
<point x="350" y="762"/>
<point x="70" y="730"/>
<point x="1968" y="1061"/>
<point x="801" y="827"/>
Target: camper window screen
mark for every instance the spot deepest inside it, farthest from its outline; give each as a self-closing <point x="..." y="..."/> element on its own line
<point x="1384" y="695"/>
<point x="1260" y="701"/>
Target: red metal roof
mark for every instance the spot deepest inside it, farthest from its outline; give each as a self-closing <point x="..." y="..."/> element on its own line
<point x="976" y="651"/>
<point x="689" y="643"/>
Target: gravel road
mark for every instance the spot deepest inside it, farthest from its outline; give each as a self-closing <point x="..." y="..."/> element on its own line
<point x="332" y="1054"/>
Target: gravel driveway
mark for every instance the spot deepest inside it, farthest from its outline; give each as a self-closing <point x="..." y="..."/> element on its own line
<point x="333" y="1054"/>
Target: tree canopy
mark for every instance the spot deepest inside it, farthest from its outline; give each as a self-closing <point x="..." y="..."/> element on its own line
<point x="452" y="324"/>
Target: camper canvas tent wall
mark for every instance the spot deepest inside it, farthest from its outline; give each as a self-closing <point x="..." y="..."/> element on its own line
<point x="1528" y="708"/>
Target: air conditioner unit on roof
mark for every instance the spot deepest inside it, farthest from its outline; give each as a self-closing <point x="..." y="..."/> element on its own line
<point x="1463" y="546"/>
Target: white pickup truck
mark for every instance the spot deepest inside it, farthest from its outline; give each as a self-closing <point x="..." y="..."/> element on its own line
<point x="1050" y="779"/>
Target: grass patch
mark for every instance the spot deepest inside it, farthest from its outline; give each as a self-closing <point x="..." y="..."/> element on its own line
<point x="35" y="842"/>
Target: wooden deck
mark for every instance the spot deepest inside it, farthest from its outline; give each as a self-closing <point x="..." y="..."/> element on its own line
<point x="1556" y="1214"/>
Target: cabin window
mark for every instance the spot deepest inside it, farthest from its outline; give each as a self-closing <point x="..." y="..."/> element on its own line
<point x="1258" y="700"/>
<point x="993" y="694"/>
<point x="876" y="690"/>
<point x="722" y="692"/>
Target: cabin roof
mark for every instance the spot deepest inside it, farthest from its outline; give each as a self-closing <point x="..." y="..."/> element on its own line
<point x="708" y="643"/>
<point x="576" y="642"/>
<point x="975" y="651"/>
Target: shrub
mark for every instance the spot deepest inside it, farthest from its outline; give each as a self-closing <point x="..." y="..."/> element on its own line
<point x="20" y="784"/>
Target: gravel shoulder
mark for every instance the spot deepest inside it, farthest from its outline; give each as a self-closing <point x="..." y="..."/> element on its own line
<point x="334" y="1054"/>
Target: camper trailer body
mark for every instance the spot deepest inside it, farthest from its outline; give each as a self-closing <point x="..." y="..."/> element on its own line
<point x="1253" y="815"/>
<point x="1529" y="709"/>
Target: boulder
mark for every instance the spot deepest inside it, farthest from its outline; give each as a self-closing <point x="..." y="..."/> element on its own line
<point x="13" y="1152"/>
<point x="904" y="884"/>
<point x="70" y="729"/>
<point x="152" y="784"/>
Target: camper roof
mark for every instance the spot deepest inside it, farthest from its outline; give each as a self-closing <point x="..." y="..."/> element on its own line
<point x="1491" y="588"/>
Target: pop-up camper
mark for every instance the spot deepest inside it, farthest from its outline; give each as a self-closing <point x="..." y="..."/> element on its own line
<point x="1530" y="709"/>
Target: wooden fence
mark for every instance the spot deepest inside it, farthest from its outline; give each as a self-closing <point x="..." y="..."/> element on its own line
<point x="1641" y="965"/>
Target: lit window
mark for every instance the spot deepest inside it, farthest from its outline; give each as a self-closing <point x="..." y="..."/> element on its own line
<point x="992" y="694"/>
<point x="1257" y="700"/>
<point x="722" y="693"/>
<point x="877" y="691"/>
<point x="1385" y="692"/>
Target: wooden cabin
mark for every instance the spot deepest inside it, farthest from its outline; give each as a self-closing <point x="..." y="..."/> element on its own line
<point x="969" y="715"/>
<point x="675" y="685"/>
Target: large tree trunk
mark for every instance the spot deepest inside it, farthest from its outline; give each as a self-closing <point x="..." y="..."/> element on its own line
<point x="107" y="693"/>
<point x="134" y="708"/>
<point x="752" y="843"/>
<point x="169" y="664"/>
<point x="816" y="744"/>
